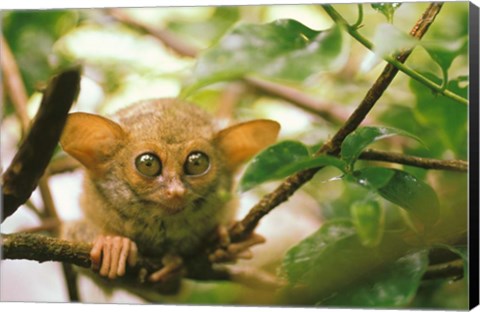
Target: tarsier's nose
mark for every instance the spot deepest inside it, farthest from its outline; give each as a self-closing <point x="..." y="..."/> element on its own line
<point x="175" y="189"/>
<point x="175" y="199"/>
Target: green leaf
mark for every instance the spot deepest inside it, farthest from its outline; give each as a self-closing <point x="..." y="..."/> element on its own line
<point x="339" y="208"/>
<point x="402" y="189"/>
<point x="387" y="9"/>
<point x="369" y="220"/>
<point x="283" y="49"/>
<point x="24" y="29"/>
<point x="300" y="263"/>
<point x="358" y="140"/>
<point x="447" y="117"/>
<point x="395" y="286"/>
<point x="389" y="40"/>
<point x="444" y="53"/>
<point x="210" y="28"/>
<point x="281" y="160"/>
<point x="333" y="259"/>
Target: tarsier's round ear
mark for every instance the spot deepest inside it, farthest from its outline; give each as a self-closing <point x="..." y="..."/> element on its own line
<point x="91" y="139"/>
<point x="242" y="141"/>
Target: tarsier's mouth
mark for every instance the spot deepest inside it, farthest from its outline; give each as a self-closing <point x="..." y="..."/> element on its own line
<point x="173" y="206"/>
<point x="165" y="206"/>
<point x="171" y="210"/>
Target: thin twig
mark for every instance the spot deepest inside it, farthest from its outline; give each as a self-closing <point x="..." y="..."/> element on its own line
<point x="359" y="21"/>
<point x="297" y="98"/>
<point x="29" y="204"/>
<point x="63" y="164"/>
<point x="246" y="226"/>
<point x="453" y="270"/>
<point x="71" y="282"/>
<point x="50" y="225"/>
<point x="168" y="39"/>
<point x="48" y="205"/>
<point x="426" y="163"/>
<point x="229" y="99"/>
<point x="14" y="85"/>
<point x="395" y="62"/>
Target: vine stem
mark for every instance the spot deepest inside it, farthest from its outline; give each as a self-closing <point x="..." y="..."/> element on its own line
<point x="359" y="21"/>
<point x="352" y="30"/>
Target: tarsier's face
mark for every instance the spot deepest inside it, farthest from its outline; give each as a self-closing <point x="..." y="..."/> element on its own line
<point x="163" y="154"/>
<point x="172" y="176"/>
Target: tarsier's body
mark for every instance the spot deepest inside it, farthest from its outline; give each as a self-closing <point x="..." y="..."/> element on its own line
<point x="158" y="175"/>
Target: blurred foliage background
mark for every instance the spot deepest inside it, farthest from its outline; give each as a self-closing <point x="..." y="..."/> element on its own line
<point x="222" y="50"/>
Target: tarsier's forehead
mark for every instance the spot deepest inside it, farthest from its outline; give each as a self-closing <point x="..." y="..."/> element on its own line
<point x="167" y="120"/>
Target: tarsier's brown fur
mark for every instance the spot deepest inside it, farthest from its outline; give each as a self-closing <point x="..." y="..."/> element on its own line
<point x="173" y="212"/>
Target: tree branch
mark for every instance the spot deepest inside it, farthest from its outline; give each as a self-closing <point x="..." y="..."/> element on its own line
<point x="426" y="163"/>
<point x="35" y="152"/>
<point x="44" y="248"/>
<point x="41" y="248"/>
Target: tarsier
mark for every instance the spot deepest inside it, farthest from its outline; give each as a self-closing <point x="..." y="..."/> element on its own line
<point x="158" y="181"/>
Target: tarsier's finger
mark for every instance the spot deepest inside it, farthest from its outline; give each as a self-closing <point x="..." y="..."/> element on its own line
<point x="116" y="249"/>
<point x="171" y="264"/>
<point x="107" y="254"/>
<point x="247" y="254"/>
<point x="159" y="275"/>
<point x="122" y="260"/>
<point x="223" y="235"/>
<point x="220" y="255"/>
<point x="96" y="253"/>
<point x="254" y="239"/>
<point x="132" y="254"/>
<point x="126" y="246"/>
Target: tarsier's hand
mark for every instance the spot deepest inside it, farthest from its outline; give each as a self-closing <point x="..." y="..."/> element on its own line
<point x="231" y="252"/>
<point x="111" y="254"/>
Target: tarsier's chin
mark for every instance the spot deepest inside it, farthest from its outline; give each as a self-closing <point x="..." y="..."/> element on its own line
<point x="159" y="173"/>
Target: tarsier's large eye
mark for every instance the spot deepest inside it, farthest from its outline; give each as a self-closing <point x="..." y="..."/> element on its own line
<point x="148" y="164"/>
<point x="197" y="163"/>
